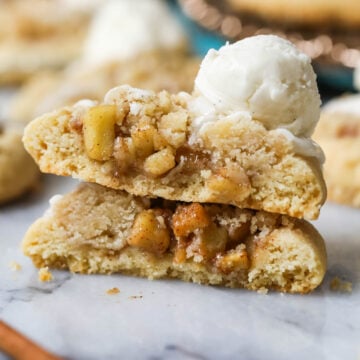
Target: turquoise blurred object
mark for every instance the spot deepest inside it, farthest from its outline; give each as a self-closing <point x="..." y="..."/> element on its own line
<point x="335" y="77"/>
<point x="201" y="40"/>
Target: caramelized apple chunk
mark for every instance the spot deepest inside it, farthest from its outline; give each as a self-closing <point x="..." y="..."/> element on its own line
<point x="188" y="218"/>
<point x="149" y="232"/>
<point x="99" y="131"/>
<point x="209" y="242"/>
<point x="232" y="260"/>
<point x="160" y="162"/>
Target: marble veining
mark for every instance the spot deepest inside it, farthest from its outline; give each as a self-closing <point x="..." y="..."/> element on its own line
<point x="74" y="317"/>
<point x="27" y="294"/>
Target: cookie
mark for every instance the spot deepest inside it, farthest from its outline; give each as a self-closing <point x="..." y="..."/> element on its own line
<point x="18" y="172"/>
<point x="303" y="12"/>
<point x="338" y="133"/>
<point x="99" y="230"/>
<point x="170" y="70"/>
<point x="148" y="144"/>
<point x="39" y="35"/>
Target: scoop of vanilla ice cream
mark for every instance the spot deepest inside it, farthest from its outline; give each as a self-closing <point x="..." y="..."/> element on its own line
<point x="125" y="28"/>
<point x="266" y="76"/>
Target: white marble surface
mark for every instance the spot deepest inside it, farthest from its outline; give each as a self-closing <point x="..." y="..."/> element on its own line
<point x="75" y="318"/>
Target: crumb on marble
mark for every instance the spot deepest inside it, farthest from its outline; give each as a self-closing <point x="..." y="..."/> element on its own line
<point x="336" y="284"/>
<point x="15" y="266"/>
<point x="113" y="291"/>
<point x="44" y="274"/>
<point x="136" y="297"/>
<point x="263" y="291"/>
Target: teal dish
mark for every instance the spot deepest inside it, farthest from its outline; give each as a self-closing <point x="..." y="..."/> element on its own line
<point x="335" y="77"/>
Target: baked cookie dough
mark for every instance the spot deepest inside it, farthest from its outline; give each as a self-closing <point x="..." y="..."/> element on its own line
<point x="18" y="171"/>
<point x="98" y="230"/>
<point x="338" y="133"/>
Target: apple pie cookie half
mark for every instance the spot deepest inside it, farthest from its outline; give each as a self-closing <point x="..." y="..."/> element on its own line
<point x="99" y="230"/>
<point x="162" y="145"/>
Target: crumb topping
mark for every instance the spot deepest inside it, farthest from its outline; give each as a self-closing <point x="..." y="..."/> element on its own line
<point x="44" y="274"/>
<point x="15" y="266"/>
<point x="113" y="291"/>
<point x="339" y="285"/>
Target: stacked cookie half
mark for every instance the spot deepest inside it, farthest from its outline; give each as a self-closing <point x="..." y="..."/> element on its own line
<point x="211" y="187"/>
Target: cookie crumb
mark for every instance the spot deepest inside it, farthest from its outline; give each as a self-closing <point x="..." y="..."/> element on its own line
<point x="113" y="291"/>
<point x="14" y="266"/>
<point x="263" y="291"/>
<point x="336" y="284"/>
<point x="44" y="274"/>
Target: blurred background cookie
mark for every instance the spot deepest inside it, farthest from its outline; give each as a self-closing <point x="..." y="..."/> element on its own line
<point x="126" y="44"/>
<point x="310" y="13"/>
<point x="18" y="172"/>
<point x="40" y="34"/>
<point x="156" y="71"/>
<point x="338" y="133"/>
